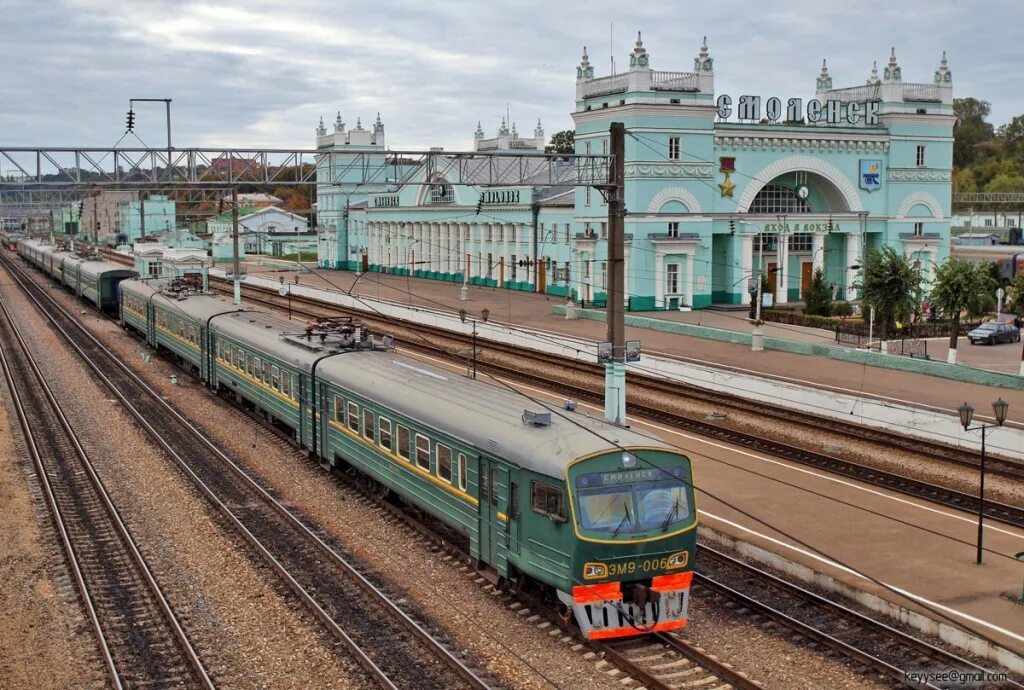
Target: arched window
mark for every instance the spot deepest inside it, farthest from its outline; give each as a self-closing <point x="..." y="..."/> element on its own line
<point x="441" y="193"/>
<point x="774" y="198"/>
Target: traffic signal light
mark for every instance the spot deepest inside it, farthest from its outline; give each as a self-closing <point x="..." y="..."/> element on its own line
<point x="131" y="120"/>
<point x="732" y="226"/>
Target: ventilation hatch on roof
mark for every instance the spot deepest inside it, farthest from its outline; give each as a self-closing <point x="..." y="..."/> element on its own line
<point x="536" y="418"/>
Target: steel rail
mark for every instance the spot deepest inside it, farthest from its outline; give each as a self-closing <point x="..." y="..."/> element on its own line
<point x="893" y="481"/>
<point x="101" y="493"/>
<point x="294" y="522"/>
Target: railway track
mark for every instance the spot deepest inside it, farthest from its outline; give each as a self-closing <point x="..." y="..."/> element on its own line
<point x="593" y="391"/>
<point x="821" y="624"/>
<point x="392" y="647"/>
<point x="140" y="639"/>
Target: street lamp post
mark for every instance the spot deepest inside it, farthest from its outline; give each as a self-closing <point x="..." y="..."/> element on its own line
<point x="485" y="314"/>
<point x="999" y="408"/>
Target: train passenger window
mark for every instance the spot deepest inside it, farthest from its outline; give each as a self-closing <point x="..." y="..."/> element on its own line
<point x="403" y="442"/>
<point x="266" y="371"/>
<point x="353" y="417"/>
<point x="423" y="451"/>
<point x="513" y="500"/>
<point x="339" y="409"/>
<point x="385" y="432"/>
<point x="256" y="367"/>
<point x="274" y="376"/>
<point x="286" y="383"/>
<point x="462" y="471"/>
<point x="444" y="462"/>
<point x="547" y="500"/>
<point x="248" y="364"/>
<point x="368" y="424"/>
<point x="494" y="486"/>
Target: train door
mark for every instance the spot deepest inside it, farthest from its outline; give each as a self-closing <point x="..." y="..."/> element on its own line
<point x="494" y="536"/>
<point x="320" y="423"/>
<point x="512" y="524"/>
<point x="302" y="411"/>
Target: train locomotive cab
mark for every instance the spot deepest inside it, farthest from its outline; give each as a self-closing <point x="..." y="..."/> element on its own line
<point x="635" y="521"/>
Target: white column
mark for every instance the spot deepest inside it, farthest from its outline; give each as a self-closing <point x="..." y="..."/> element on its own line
<point x="782" y="275"/>
<point x="746" y="266"/>
<point x="688" y="286"/>
<point x="817" y="251"/>
<point x="625" y="275"/>
<point x="659" y="280"/>
<point x="506" y="235"/>
<point x="852" y="259"/>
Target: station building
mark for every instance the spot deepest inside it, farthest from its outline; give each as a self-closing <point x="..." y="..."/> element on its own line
<point x="719" y="189"/>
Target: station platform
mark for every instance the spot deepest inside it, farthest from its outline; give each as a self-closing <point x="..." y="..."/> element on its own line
<point x="534" y="311"/>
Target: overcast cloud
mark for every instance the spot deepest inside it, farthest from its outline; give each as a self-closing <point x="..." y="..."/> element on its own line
<point x="261" y="73"/>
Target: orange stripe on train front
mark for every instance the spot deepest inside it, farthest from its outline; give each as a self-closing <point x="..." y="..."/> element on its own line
<point x="670" y="583"/>
<point x="630" y="631"/>
<point x="606" y="591"/>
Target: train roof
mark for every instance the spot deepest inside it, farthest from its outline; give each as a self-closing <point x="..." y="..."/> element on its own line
<point x="486" y="416"/>
<point x="478" y="413"/>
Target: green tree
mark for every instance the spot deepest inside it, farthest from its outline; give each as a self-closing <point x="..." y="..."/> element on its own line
<point x="1004" y="182"/>
<point x="818" y="300"/>
<point x="970" y="129"/>
<point x="961" y="286"/>
<point x="891" y="283"/>
<point x="1015" y="295"/>
<point x="562" y="142"/>
<point x="1012" y="134"/>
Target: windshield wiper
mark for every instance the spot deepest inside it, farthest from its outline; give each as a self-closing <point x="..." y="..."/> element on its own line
<point x="625" y="518"/>
<point x="671" y="515"/>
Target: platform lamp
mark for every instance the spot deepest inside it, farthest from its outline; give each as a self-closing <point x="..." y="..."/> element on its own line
<point x="999" y="408"/>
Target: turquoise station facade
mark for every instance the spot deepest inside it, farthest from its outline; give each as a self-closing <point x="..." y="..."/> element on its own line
<point x="719" y="190"/>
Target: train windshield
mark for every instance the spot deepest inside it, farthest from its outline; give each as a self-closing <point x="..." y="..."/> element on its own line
<point x="633" y="502"/>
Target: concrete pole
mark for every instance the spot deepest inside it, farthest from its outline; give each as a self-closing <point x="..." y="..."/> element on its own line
<point x="235" y="269"/>
<point x="615" y="371"/>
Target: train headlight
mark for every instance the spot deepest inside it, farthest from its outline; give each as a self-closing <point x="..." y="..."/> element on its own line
<point x="678" y="560"/>
<point x="628" y="460"/>
<point x="595" y="571"/>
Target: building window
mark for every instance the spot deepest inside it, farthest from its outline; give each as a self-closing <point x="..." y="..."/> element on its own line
<point x="672" y="279"/>
<point x="770" y="242"/>
<point x="604" y="230"/>
<point x="800" y="242"/>
<point x="604" y="275"/>
<point x="673" y="148"/>
<point x="513" y="263"/>
<point x="920" y="155"/>
<point x="444" y="462"/>
<point x="441" y="193"/>
<point x="673" y="229"/>
<point x="547" y="500"/>
<point x="586" y="196"/>
<point x="155" y="269"/>
<point x="423" y="452"/>
<point x="588" y="232"/>
<point x="918" y="229"/>
<point x="775" y="198"/>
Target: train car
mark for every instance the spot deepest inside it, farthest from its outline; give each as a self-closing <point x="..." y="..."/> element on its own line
<point x="599" y="518"/>
<point x="95" y="280"/>
<point x="1008" y="257"/>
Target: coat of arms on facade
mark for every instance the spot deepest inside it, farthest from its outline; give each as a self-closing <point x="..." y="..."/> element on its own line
<point x="727" y="165"/>
<point x="871" y="175"/>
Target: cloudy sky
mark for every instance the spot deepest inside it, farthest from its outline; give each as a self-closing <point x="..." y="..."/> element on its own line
<point x="261" y="73"/>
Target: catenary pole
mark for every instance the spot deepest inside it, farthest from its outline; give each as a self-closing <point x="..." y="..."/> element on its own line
<point x="234" y="248"/>
<point x="615" y="371"/>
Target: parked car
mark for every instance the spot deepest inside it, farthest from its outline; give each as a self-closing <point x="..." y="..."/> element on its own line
<point x="992" y="333"/>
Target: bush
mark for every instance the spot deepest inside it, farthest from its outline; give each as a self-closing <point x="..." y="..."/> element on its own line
<point x="842" y="309"/>
<point x="795" y="318"/>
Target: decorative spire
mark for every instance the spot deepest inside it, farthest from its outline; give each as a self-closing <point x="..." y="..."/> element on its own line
<point x="515" y="134"/>
<point x="639" y="59"/>
<point x="339" y="124"/>
<point x="538" y="131"/>
<point x="892" y="70"/>
<point x="359" y="124"/>
<point x="479" y="133"/>
<point x="584" y="70"/>
<point x="321" y="130"/>
<point x="873" y="77"/>
<point x="378" y="126"/>
<point x="824" y="82"/>
<point x="502" y="128"/>
<point x="703" y="63"/>
<point x="942" y="75"/>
